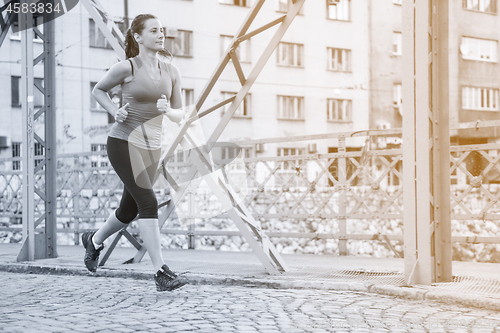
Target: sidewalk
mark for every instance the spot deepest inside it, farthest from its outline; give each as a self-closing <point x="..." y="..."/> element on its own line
<point x="474" y="284"/>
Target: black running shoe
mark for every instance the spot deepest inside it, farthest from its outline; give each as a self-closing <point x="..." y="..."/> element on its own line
<point x="91" y="253"/>
<point x="166" y="280"/>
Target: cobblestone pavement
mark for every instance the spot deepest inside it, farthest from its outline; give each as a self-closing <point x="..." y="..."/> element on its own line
<point x="55" y="303"/>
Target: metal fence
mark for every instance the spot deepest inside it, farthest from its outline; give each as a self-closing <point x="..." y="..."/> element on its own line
<point x="314" y="196"/>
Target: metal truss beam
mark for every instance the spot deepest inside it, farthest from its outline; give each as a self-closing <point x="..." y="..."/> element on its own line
<point x="108" y="27"/>
<point x="259" y="242"/>
<point x="5" y="22"/>
<point x="38" y="166"/>
<point x="426" y="144"/>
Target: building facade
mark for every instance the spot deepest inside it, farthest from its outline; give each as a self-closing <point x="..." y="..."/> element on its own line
<point x="317" y="80"/>
<point x="474" y="31"/>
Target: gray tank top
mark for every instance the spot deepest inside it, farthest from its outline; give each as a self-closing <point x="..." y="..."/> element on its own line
<point x="143" y="126"/>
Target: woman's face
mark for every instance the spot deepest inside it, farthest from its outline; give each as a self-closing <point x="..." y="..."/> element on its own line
<point x="152" y="36"/>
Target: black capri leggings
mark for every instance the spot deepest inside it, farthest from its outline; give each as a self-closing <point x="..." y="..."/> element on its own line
<point x="136" y="168"/>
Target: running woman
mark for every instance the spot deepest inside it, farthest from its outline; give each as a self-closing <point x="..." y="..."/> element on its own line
<point x="151" y="87"/>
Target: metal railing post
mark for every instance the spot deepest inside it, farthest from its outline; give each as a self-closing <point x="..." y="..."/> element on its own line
<point x="342" y="174"/>
<point x="76" y="201"/>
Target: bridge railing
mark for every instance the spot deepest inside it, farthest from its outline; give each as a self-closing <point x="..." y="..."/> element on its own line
<point x="347" y="197"/>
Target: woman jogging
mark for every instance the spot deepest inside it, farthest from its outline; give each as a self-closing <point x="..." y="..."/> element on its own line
<point x="151" y="88"/>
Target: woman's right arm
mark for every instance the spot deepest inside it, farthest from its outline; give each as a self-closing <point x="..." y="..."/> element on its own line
<point x="115" y="76"/>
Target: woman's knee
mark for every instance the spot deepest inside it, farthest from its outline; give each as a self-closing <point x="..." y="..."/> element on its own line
<point x="149" y="209"/>
<point x="127" y="214"/>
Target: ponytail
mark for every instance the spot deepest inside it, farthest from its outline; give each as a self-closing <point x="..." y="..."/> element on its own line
<point x="131" y="46"/>
<point x="165" y="55"/>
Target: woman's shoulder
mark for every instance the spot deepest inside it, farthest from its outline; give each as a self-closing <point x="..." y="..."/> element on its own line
<point x="172" y="70"/>
<point x="122" y="68"/>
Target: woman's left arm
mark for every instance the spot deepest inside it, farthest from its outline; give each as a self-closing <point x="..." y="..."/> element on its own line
<point x="176" y="97"/>
<point x="173" y="107"/>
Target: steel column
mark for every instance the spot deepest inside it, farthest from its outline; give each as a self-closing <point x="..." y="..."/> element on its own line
<point x="28" y="161"/>
<point x="38" y="167"/>
<point x="426" y="142"/>
<point x="441" y="126"/>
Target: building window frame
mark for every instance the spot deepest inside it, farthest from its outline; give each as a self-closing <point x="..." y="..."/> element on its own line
<point x="99" y="161"/>
<point x="187" y="96"/>
<point x="243" y="51"/>
<point x="339" y="110"/>
<point x="16" y="152"/>
<point x="238" y="3"/>
<point x="282" y="6"/>
<point x="97" y="39"/>
<point x="37" y="21"/>
<point x="244" y="110"/>
<point x="179" y="43"/>
<point x="397" y="43"/>
<point x="480" y="6"/>
<point x="290" y="54"/>
<point x="480" y="98"/>
<point x="290" y="107"/>
<point x="15" y="94"/>
<point x="338" y="10"/>
<point x="339" y="60"/>
<point x="477" y="49"/>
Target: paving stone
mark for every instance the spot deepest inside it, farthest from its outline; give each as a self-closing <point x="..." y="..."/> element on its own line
<point x="100" y="304"/>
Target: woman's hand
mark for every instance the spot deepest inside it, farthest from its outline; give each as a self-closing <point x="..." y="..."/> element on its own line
<point x="175" y="115"/>
<point x="163" y="105"/>
<point x="121" y="114"/>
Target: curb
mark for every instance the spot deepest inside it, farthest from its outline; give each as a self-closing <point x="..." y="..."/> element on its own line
<point x="410" y="293"/>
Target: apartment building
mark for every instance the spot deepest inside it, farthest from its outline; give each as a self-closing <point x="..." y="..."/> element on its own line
<point x="473" y="61"/>
<point x="474" y="68"/>
<point x="317" y="81"/>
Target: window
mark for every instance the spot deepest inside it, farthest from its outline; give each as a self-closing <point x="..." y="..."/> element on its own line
<point x="290" y="54"/>
<point x="397" y="43"/>
<point x="179" y="42"/>
<point x="291" y="107"/>
<point x="398" y="97"/>
<point x="242" y="51"/>
<point x="481" y="99"/>
<point x="187" y="97"/>
<point x="486" y="6"/>
<point x="243" y="110"/>
<point x="242" y="3"/>
<point x="339" y="110"/>
<point x="16" y="152"/>
<point x="338" y="9"/>
<point x="39" y="151"/>
<point x="99" y="160"/>
<point x="96" y="37"/>
<point x="479" y="49"/>
<point x="339" y="59"/>
<point x="37" y="21"/>
<point x="15" y="89"/>
<point x="288" y="165"/>
<point x="283" y="5"/>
